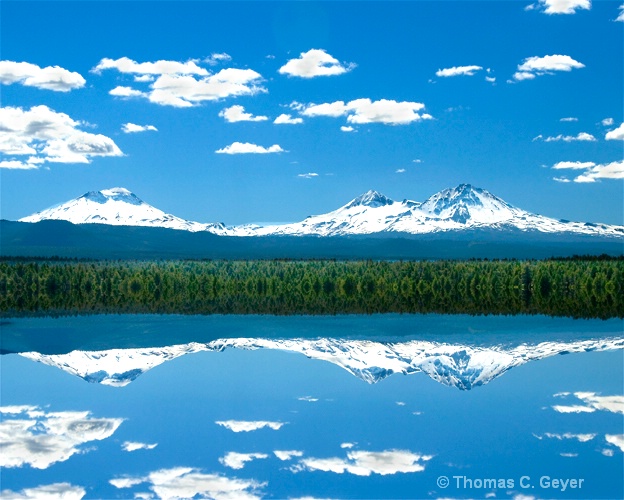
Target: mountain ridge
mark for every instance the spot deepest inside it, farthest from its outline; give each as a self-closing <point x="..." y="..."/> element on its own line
<point x="452" y="210"/>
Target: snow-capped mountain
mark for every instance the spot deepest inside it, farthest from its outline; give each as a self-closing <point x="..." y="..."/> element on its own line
<point x="118" y="207"/>
<point x="460" y="366"/>
<point x="458" y="209"/>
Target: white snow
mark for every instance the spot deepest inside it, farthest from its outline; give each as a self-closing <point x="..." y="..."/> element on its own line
<point x="460" y="366"/>
<point x="457" y="209"/>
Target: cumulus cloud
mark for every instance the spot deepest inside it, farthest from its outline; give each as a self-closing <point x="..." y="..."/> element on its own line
<point x="309" y="175"/>
<point x="185" y="482"/>
<point x="365" y="463"/>
<point x="50" y="437"/>
<point x="43" y="135"/>
<point x="616" y="440"/>
<point x="285" y="455"/>
<point x="217" y="58"/>
<point x="569" y="119"/>
<point x="130" y="128"/>
<point x="458" y="71"/>
<point x="361" y="111"/>
<point x="134" y="446"/>
<point x="237" y="114"/>
<point x="547" y="65"/>
<point x="235" y="460"/>
<point x="286" y="119"/>
<point x="400" y="171"/>
<point x="491" y="79"/>
<point x="249" y="425"/>
<point x="246" y="147"/>
<point x="127" y="65"/>
<point x="616" y="134"/>
<point x="561" y="179"/>
<point x="309" y="399"/>
<point x="582" y="137"/>
<point x="49" y="78"/>
<point x="347" y="445"/>
<point x="607" y="122"/>
<point x="560" y="6"/>
<point x="620" y="16"/>
<point x="347" y="129"/>
<point x="315" y="62"/>
<point x="121" y="91"/>
<point x="56" y="491"/>
<point x="182" y="84"/>
<point x="594" y="402"/>
<point x="574" y="165"/>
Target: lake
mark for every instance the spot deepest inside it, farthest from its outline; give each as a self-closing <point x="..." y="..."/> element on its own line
<point x="380" y="406"/>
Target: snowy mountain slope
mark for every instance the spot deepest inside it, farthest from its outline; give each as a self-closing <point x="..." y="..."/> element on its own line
<point x="457" y="209"/>
<point x="460" y="366"/>
<point x="119" y="207"/>
<point x="463" y="208"/>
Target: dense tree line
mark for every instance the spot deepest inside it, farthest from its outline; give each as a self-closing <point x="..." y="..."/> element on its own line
<point x="587" y="288"/>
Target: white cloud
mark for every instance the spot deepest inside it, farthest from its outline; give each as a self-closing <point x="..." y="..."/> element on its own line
<point x="126" y="92"/>
<point x="593" y="402"/>
<point x="49" y="78"/>
<point x="537" y="66"/>
<point x="365" y="463"/>
<point x="217" y="58"/>
<point x="285" y="455"/>
<point x="185" y="90"/>
<point x="574" y="165"/>
<point x="573" y="409"/>
<point x="19" y="165"/>
<point x="616" y="440"/>
<point x="247" y="147"/>
<point x="237" y="460"/>
<point x="582" y="137"/>
<point x="347" y="129"/>
<point x="562" y="6"/>
<point x="347" y="445"/>
<point x="614" y="404"/>
<point x="134" y="446"/>
<point x="581" y="438"/>
<point x="361" y="111"/>
<point x="47" y="136"/>
<point x="561" y="179"/>
<point x="315" y="62"/>
<point x="607" y="122"/>
<point x="309" y="399"/>
<point x="400" y="171"/>
<point x="50" y="437"/>
<point x="569" y="455"/>
<point x="185" y="84"/>
<point x="249" y="425"/>
<point x="569" y="119"/>
<point x="17" y="409"/>
<point x="613" y="170"/>
<point x="130" y="128"/>
<point x="237" y="113"/>
<point x="616" y="134"/>
<point x="144" y="78"/>
<point x="458" y="71"/>
<point x="491" y="79"/>
<point x="56" y="491"/>
<point x="286" y="119"/>
<point x="127" y="65"/>
<point x="417" y="160"/>
<point x="184" y="482"/>
<point x="620" y="16"/>
<point x="309" y="175"/>
<point x="607" y="452"/>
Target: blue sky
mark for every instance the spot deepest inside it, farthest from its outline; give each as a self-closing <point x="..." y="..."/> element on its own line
<point x="496" y="94"/>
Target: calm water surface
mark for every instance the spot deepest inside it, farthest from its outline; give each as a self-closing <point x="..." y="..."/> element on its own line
<point x="382" y="406"/>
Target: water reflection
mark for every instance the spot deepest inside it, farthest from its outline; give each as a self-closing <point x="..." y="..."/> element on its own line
<point x="454" y="365"/>
<point x="38" y="438"/>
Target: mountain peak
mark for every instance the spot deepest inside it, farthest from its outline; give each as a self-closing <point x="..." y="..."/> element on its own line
<point x="114" y="194"/>
<point x="370" y="199"/>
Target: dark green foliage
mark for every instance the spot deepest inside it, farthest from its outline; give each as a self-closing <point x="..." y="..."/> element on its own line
<point x="584" y="288"/>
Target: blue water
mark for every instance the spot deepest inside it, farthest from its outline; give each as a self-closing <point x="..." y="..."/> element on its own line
<point x="405" y="433"/>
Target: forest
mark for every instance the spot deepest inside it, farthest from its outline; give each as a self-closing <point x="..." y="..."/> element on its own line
<point x="579" y="288"/>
